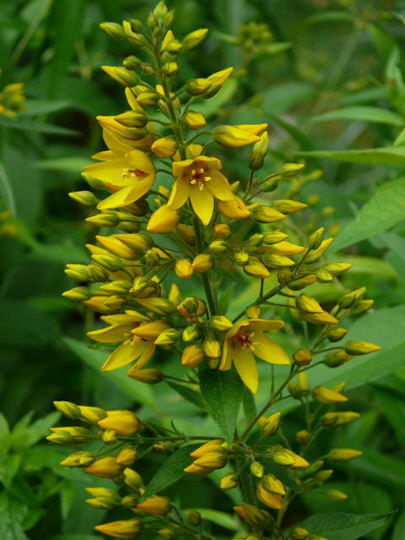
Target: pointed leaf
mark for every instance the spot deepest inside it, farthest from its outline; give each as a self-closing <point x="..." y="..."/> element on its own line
<point x="342" y="526"/>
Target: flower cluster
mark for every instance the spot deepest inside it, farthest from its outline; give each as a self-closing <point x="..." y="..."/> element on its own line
<point x="12" y="99"/>
<point x="168" y="212"/>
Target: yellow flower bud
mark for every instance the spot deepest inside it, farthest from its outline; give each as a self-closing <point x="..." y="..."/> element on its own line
<point x="78" y="459"/>
<point x="336" y="269"/>
<point x="71" y="410"/>
<point x="256" y="269"/>
<point x="121" y="529"/>
<point x="147" y="376"/>
<point x="233" y="137"/>
<point x="326" y="395"/>
<point x="259" y="152"/>
<point x="184" y="268"/>
<point x="271" y="500"/>
<point x="234" y="208"/>
<point x="122" y="422"/>
<point x="265" y="214"/>
<point x="147" y="99"/>
<point x="222" y="231"/>
<point x="104" y="468"/>
<point x="193" y="39"/>
<point x="299" y="533"/>
<point x="114" y="30"/>
<point x="252" y="515"/>
<point x="196" y="87"/>
<point x="216" y="445"/>
<point x="155" y="505"/>
<point x="163" y="220"/>
<point x="288" y="207"/>
<point x="272" y="484"/>
<point x="86" y="198"/>
<point x="356" y="348"/>
<point x="164" y="147"/>
<point x="126" y="456"/>
<point x="170" y="69"/>
<point x="192" y="356"/>
<point x="320" y="318"/>
<point x="217" y="80"/>
<point x="229" y="481"/>
<point x="274" y="260"/>
<point x="257" y="469"/>
<point x="139" y="242"/>
<point x="221" y="323"/>
<point x="211" y="461"/>
<point x="314" y="254"/>
<point x="194" y="120"/>
<point x="303" y="436"/>
<point x="92" y="414"/>
<point x="212" y="348"/>
<point x="336" y="333"/>
<point x="269" y="425"/>
<point x="302" y="357"/>
<point x="344" y="454"/>
<point x="253" y="312"/>
<point x="167" y="533"/>
<point x="217" y="246"/>
<point x="202" y="262"/>
<point x="290" y="169"/>
<point x="132" y="479"/>
<point x="122" y="75"/>
<point x="336" y="495"/>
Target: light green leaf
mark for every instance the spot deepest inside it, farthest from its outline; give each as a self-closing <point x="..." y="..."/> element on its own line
<point x="390" y="155"/>
<point x="342" y="526"/>
<point x="66" y="164"/>
<point x="139" y="392"/>
<point x="219" y="518"/>
<point x="43" y="106"/>
<point x="7" y="191"/>
<point x="400" y="140"/>
<point x="362" y="113"/>
<point x="385" y="209"/>
<point x="38" y="127"/>
<point x="282" y="97"/>
<point x="222" y="392"/>
<point x="377" y="268"/>
<point x="172" y="469"/>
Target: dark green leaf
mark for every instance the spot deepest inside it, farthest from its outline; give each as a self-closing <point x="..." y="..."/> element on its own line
<point x="399" y="529"/>
<point x="341" y="526"/>
<point x="188" y="393"/>
<point x="172" y="469"/>
<point x="222" y="392"/>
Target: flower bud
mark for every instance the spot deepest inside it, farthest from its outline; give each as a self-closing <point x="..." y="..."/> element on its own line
<point x="221" y="323"/>
<point x="265" y="214"/>
<point x="233" y="137"/>
<point x="190" y="333"/>
<point x="86" y="198"/>
<point x="92" y="414"/>
<point x="121" y="529"/>
<point x="196" y="87"/>
<point x="122" y="422"/>
<point x="192" y="356"/>
<point x="121" y="74"/>
<point x="326" y="395"/>
<point x="303" y="436"/>
<point x="269" y="425"/>
<point x="290" y="169"/>
<point x="132" y="119"/>
<point x="164" y="147"/>
<point x="78" y="459"/>
<point x="256" y="269"/>
<point x="314" y="254"/>
<point x="202" y="262"/>
<point x="114" y="30"/>
<point x="302" y="357"/>
<point x="323" y="276"/>
<point x="126" y="456"/>
<point x="336" y="495"/>
<point x="336" y="333"/>
<point x="104" y="468"/>
<point x="194" y="120"/>
<point x="167" y="337"/>
<point x="71" y="410"/>
<point x="336" y="269"/>
<point x="212" y="348"/>
<point x="217" y="246"/>
<point x="147" y="376"/>
<point x="257" y="469"/>
<point x="229" y="481"/>
<point x="184" y="268"/>
<point x="193" y="39"/>
<point x="272" y="484"/>
<point x="259" y="152"/>
<point x="132" y="479"/>
<point x="155" y="505"/>
<point x="222" y="231"/>
<point x="193" y="517"/>
<point x="357" y="348"/>
<point x="269" y="499"/>
<point x="299" y="533"/>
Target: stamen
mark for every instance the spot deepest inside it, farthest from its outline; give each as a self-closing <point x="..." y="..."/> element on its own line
<point x="133" y="173"/>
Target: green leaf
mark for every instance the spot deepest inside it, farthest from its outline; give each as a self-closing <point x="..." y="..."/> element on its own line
<point x="188" y="393"/>
<point x="283" y="97"/>
<point x="70" y="164"/>
<point x="12" y="513"/>
<point x="385" y="209"/>
<point x="390" y="155"/>
<point x="342" y="526"/>
<point x="38" y="127"/>
<point x="361" y="113"/>
<point x="222" y="392"/>
<point x="139" y="392"/>
<point x="219" y="518"/>
<point x="377" y="268"/>
<point x="393" y="406"/>
<point x="400" y="140"/>
<point x="7" y="191"/>
<point x="172" y="469"/>
<point x="43" y="106"/>
<point x="74" y="537"/>
<point x="399" y="529"/>
<point x="381" y="469"/>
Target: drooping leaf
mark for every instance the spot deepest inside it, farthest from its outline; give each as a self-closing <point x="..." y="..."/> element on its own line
<point x="172" y="469"/>
<point x="222" y="392"/>
<point x="139" y="392"/>
<point x="362" y="113"/>
<point x="391" y="155"/>
<point x="385" y="208"/>
<point x="342" y="526"/>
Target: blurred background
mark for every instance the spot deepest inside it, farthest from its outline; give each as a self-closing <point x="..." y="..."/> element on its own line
<point x="327" y="75"/>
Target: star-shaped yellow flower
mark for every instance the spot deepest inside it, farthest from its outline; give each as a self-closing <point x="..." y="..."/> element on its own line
<point x="137" y="334"/>
<point x="200" y="180"/>
<point x="244" y="341"/>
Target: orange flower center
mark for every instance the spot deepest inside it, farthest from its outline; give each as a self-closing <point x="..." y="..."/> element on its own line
<point x="198" y="177"/>
<point x="245" y="339"/>
<point x="134" y="173"/>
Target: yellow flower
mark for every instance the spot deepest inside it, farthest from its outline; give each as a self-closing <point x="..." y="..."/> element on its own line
<point x="139" y="337"/>
<point x="129" y="175"/>
<point x="200" y="180"/>
<point x="234" y="208"/>
<point x="244" y="341"/>
<point x="122" y="422"/>
<point x="121" y="529"/>
<point x="237" y="136"/>
<point x="156" y="505"/>
<point x="163" y="220"/>
<point x="104" y="468"/>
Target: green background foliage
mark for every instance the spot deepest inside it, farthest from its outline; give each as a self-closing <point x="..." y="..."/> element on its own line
<point x="330" y="84"/>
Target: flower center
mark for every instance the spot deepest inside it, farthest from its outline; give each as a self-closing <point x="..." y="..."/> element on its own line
<point x="198" y="177"/>
<point x="133" y="173"/>
<point x="245" y="339"/>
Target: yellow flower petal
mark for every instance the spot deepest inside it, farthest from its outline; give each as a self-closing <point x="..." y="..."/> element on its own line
<point x="110" y="334"/>
<point x="226" y="359"/>
<point x="245" y="365"/>
<point x="269" y="351"/>
<point x="150" y="330"/>
<point x="179" y="195"/>
<point x="203" y="204"/>
<point x="265" y="324"/>
<point x="219" y="186"/>
<point x="122" y="356"/>
<point x="146" y="350"/>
